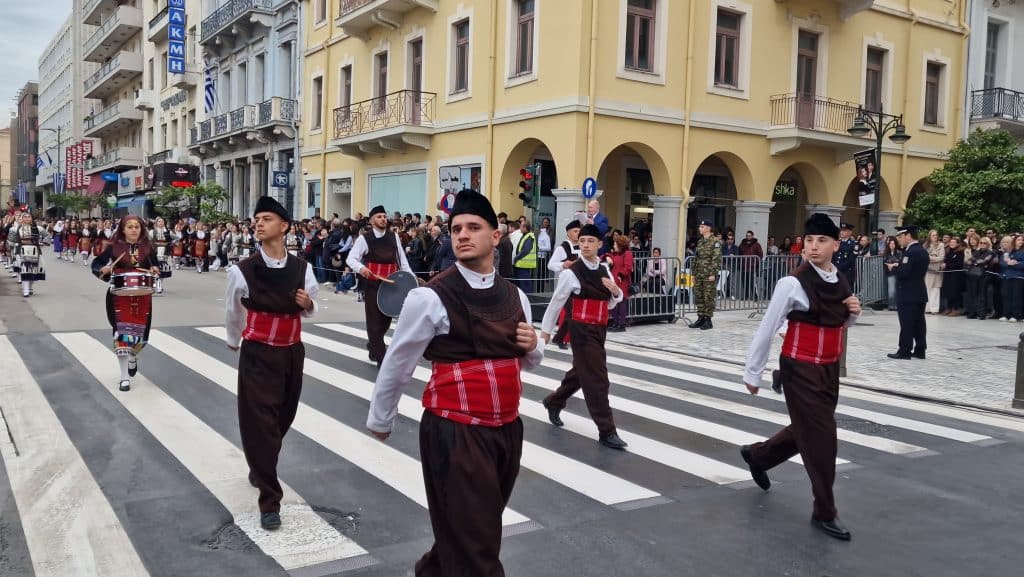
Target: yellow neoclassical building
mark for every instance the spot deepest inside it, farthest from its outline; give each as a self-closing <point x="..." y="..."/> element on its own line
<point x="681" y="109"/>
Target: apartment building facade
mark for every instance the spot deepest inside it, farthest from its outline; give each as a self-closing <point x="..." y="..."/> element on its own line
<point x="246" y="142"/>
<point x="113" y="125"/>
<point x="995" y="78"/>
<point x="62" y="106"/>
<point x="5" y="166"/>
<point x="722" y="109"/>
<point x="24" y="145"/>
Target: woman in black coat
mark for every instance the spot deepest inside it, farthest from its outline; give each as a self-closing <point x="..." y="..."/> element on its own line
<point x="953" y="279"/>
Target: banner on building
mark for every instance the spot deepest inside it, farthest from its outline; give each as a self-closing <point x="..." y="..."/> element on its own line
<point x="176" y="36"/>
<point x="86" y="154"/>
<point x="867" y="179"/>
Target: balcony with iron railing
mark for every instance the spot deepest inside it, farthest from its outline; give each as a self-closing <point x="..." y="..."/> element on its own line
<point x="234" y="19"/>
<point x="158" y="24"/>
<point x="111" y="120"/>
<point x="112" y="34"/>
<point x="274" y="115"/>
<point x="113" y="76"/>
<point x="798" y="119"/>
<point x="93" y="9"/>
<point x="999" y="108"/>
<point x="389" y="122"/>
<point x="359" y="16"/>
<point x="113" y="159"/>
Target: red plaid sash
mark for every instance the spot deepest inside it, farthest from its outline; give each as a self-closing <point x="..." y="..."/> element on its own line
<point x="381" y="270"/>
<point x="590" y="311"/>
<point x="479" y="392"/>
<point x="812" y="343"/>
<point x="274" y="329"/>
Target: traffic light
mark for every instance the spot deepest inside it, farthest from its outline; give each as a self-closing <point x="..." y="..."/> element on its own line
<point x="530" y="185"/>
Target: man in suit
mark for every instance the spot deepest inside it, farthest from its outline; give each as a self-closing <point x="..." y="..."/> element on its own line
<point x="911" y="294"/>
<point x="597" y="219"/>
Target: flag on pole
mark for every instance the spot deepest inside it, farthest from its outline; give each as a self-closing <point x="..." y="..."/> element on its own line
<point x="49" y="160"/>
<point x="59" y="182"/>
<point x="209" y="89"/>
<point x="40" y="163"/>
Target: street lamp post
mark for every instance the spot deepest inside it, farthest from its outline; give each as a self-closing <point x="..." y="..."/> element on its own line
<point x="880" y="124"/>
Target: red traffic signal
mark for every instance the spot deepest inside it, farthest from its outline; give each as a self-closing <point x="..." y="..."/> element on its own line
<point x="526" y="173"/>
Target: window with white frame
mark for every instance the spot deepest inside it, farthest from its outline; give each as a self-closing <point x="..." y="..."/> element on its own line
<point x="874" y="78"/>
<point x="345" y="82"/>
<point x="380" y="85"/>
<point x="727" y="48"/>
<point x="460" y="58"/>
<point x="317" y="113"/>
<point x="933" y="78"/>
<point x="320" y="11"/>
<point x="992" y="55"/>
<point x="640" y="41"/>
<point x="523" y="43"/>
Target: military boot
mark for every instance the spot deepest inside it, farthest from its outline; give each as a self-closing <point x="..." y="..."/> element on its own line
<point x="699" y="323"/>
<point x="707" y="324"/>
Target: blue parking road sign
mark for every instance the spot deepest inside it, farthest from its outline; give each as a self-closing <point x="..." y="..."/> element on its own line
<point x="280" y="179"/>
<point x="589" y="188"/>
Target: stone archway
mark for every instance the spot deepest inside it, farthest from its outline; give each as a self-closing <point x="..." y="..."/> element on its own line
<point x="630" y="175"/>
<point x="718" y="182"/>
<point x="527" y="151"/>
<point x="799" y="185"/>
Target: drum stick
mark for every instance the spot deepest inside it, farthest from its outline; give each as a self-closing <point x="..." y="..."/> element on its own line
<point x="380" y="278"/>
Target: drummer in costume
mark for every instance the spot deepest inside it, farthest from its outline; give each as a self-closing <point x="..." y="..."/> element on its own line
<point x="57" y="234"/>
<point x="162" y="240"/>
<point x="27" y="240"/>
<point x="818" y="304"/>
<point x="5" y="228"/>
<point x="564" y="256"/>
<point x="200" y="246"/>
<point x="132" y="252"/>
<point x="246" y="244"/>
<point x="71" y="234"/>
<point x="106" y="236"/>
<point x="375" y="255"/>
<point x="590" y="285"/>
<point x="86" y="238"/>
<point x="474" y="327"/>
<point x="293" y="240"/>
<point x="267" y="296"/>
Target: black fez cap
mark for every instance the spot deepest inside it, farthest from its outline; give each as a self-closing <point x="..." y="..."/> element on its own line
<point x="846" y="226"/>
<point x="707" y="222"/>
<point x="268" y="204"/>
<point x="907" y="229"/>
<point x="821" y="224"/>
<point x="572" y="224"/>
<point x="590" y="230"/>
<point x="377" y="210"/>
<point x="469" y="201"/>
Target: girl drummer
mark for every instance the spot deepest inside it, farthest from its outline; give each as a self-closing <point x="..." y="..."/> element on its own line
<point x="130" y="317"/>
<point x="162" y="239"/>
<point x="87" y="235"/>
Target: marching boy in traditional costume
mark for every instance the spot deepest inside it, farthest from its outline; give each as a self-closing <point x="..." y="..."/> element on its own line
<point x="818" y="304"/>
<point x="267" y="295"/>
<point x="374" y="256"/>
<point x="474" y="326"/>
<point x="593" y="291"/>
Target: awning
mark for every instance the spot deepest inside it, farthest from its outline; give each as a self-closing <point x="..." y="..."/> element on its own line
<point x="99" y="186"/>
<point x="129" y="201"/>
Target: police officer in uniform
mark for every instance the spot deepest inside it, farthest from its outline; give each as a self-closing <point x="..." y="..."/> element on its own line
<point x="845" y="258"/>
<point x="707" y="263"/>
<point x="911" y="294"/>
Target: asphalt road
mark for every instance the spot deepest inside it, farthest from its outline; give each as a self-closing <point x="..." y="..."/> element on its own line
<point x="152" y="482"/>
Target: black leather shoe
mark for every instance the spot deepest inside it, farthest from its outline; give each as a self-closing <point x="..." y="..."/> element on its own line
<point x="553" y="415"/>
<point x="613" y="441"/>
<point x="918" y="355"/>
<point x="707" y="324"/>
<point x="125" y="385"/>
<point x="833" y="528"/>
<point x="270" y="521"/>
<point x="899" y="356"/>
<point x="699" y="323"/>
<point x="563" y="345"/>
<point x="759" y="475"/>
<point x="777" y="381"/>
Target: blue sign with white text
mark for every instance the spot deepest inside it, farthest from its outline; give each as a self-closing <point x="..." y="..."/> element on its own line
<point x="176" y="36"/>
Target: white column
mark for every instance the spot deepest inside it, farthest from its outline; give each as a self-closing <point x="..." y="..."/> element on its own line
<point x="665" y="224"/>
<point x="887" y="220"/>
<point x="753" y="215"/>
<point x="833" y="212"/>
<point x="568" y="201"/>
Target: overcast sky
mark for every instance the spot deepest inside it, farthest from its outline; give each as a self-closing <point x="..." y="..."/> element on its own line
<point x="26" y="27"/>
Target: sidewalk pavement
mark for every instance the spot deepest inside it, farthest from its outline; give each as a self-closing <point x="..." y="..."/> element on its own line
<point x="970" y="362"/>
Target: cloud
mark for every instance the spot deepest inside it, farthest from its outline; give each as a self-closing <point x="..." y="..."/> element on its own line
<point x="25" y="29"/>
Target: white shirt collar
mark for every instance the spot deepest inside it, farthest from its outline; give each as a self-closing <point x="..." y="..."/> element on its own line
<point x="475" y="279"/>
<point x="271" y="262"/>
<point x="591" y="265"/>
<point x="378" y="233"/>
<point x="829" y="276"/>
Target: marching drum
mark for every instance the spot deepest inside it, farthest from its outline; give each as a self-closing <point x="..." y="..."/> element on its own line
<point x="161" y="257"/>
<point x="29" y="253"/>
<point x="392" y="292"/>
<point x="132" y="284"/>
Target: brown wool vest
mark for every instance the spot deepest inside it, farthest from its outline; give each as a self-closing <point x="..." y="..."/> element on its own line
<point x="272" y="290"/>
<point x="482" y="322"/>
<point x="826" y="299"/>
<point x="590" y="281"/>
<point x="380" y="250"/>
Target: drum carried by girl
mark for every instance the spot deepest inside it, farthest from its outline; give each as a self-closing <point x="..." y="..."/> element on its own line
<point x="130" y="267"/>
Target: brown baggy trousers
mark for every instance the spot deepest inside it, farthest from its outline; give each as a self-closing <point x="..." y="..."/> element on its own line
<point x="377" y="323"/>
<point x="812" y="392"/>
<point x="269" y="385"/>
<point x="590" y="372"/>
<point x="469" y="472"/>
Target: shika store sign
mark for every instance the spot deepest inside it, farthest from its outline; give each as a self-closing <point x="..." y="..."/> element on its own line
<point x="176" y="36"/>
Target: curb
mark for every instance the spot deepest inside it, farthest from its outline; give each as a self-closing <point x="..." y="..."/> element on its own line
<point x="1006" y="412"/>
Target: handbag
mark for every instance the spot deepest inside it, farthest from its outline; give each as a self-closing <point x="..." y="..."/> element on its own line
<point x="336" y="260"/>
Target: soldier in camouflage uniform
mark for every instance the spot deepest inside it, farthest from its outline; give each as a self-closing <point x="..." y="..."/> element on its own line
<point x="707" y="263"/>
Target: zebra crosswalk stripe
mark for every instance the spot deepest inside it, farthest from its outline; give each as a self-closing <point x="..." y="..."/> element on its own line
<point x="389" y="465"/>
<point x="305" y="538"/>
<point x="70" y="527"/>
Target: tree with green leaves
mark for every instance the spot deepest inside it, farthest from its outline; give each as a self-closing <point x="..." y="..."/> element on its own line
<point x="202" y="201"/>
<point x="73" y="203"/>
<point x="981" y="185"/>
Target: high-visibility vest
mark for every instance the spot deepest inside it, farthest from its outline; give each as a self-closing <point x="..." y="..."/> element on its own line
<point x="530" y="260"/>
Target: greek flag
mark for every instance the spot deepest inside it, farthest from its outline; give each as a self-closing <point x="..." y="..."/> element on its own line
<point x="210" y="90"/>
<point x="40" y="163"/>
<point x="59" y="182"/>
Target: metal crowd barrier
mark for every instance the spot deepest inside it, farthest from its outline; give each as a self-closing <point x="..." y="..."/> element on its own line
<point x="870" y="285"/>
